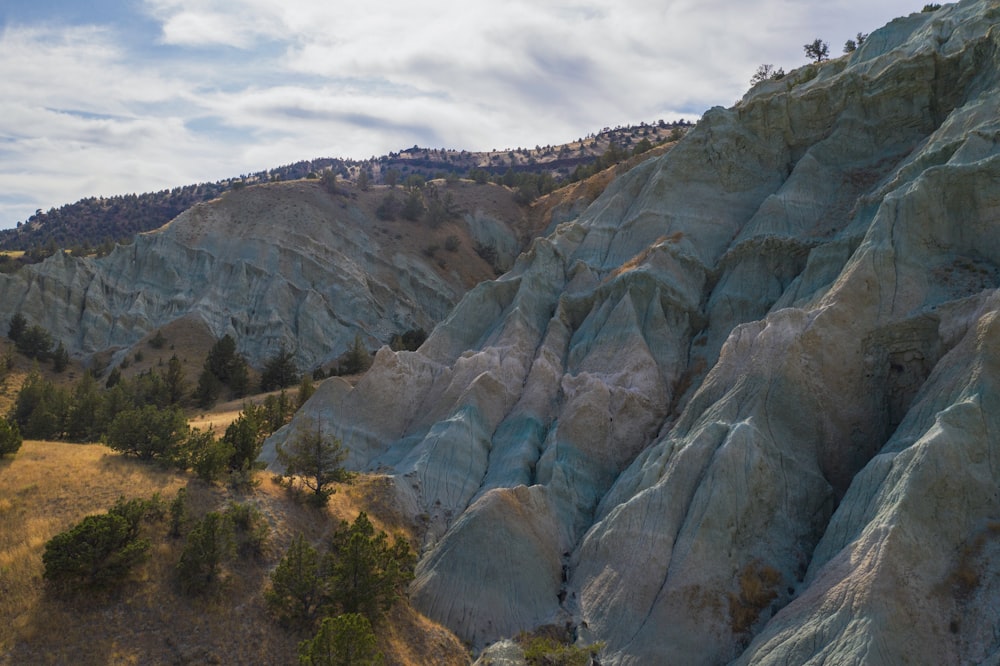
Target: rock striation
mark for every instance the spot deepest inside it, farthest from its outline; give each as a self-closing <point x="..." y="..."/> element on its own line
<point x="745" y="406"/>
<point x="280" y="264"/>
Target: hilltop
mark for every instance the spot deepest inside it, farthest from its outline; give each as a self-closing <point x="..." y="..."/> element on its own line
<point x="95" y="224"/>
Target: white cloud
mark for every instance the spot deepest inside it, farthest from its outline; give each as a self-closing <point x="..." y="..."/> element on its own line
<point x="228" y="90"/>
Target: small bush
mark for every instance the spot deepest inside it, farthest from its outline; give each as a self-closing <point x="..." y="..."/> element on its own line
<point x="251" y="529"/>
<point x="178" y="513"/>
<point x="209" y="545"/>
<point x="546" y="651"/>
<point x="98" y="552"/>
<point x="10" y="437"/>
<point x="158" y="341"/>
<point x="758" y="587"/>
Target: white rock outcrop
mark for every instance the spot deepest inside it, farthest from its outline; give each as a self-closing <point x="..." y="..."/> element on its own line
<point x="745" y="407"/>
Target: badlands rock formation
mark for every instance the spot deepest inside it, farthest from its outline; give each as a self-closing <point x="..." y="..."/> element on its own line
<point x="281" y="264"/>
<point x="745" y="407"/>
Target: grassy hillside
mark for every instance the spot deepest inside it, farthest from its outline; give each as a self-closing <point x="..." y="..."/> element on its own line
<point x="48" y="487"/>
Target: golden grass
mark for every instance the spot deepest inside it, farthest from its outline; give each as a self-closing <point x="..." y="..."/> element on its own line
<point x="48" y="487"/>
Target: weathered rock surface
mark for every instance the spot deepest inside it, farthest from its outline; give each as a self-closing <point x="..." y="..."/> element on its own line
<point x="281" y="264"/>
<point x="745" y="407"/>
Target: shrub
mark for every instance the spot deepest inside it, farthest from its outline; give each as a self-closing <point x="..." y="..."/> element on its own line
<point x="206" y="454"/>
<point x="245" y="436"/>
<point x="546" y="651"/>
<point x="158" y="341"/>
<point x="344" y="640"/>
<point x="250" y="528"/>
<point x="10" y="437"/>
<point x="209" y="544"/>
<point x="758" y="587"/>
<point x="306" y="390"/>
<point x="389" y="208"/>
<point x="99" y="551"/>
<point x="409" y="340"/>
<point x="147" y="432"/>
<point x="178" y="512"/>
<point x="35" y="342"/>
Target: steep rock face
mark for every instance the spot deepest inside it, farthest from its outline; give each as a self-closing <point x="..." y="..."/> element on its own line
<point x="283" y="264"/>
<point x="744" y="407"/>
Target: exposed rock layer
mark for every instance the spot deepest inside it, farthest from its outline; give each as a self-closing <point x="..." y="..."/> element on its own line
<point x="745" y="406"/>
<point x="281" y="264"/>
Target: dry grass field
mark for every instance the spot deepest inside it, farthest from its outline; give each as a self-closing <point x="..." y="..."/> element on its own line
<point x="49" y="486"/>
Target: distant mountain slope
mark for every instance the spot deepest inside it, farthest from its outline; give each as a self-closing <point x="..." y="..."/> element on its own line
<point x="745" y="407"/>
<point x="283" y="264"/>
<point x="96" y="223"/>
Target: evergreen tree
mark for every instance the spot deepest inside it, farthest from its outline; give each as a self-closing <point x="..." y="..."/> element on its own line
<point x="209" y="545"/>
<point x="306" y="389"/>
<point x="60" y="358"/>
<point x="83" y="423"/>
<point x="208" y="390"/>
<point x="316" y="460"/>
<point x="178" y="512"/>
<point x="297" y="587"/>
<point x="344" y="640"/>
<point x="246" y="437"/>
<point x="98" y="552"/>
<point x="366" y="573"/>
<point x="147" y="432"/>
<point x="10" y="438"/>
<point x="279" y="371"/>
<point x="174" y="380"/>
<point x="18" y="325"/>
<point x="35" y="342"/>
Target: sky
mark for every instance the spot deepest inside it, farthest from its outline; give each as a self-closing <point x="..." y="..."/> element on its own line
<point x="110" y="97"/>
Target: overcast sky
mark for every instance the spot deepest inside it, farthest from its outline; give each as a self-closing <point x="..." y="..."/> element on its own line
<point x="110" y="97"/>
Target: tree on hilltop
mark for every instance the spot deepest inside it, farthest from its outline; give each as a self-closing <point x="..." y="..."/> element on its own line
<point x="818" y="50"/>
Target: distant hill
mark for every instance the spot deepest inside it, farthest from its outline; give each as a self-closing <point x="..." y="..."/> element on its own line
<point x="95" y="224"/>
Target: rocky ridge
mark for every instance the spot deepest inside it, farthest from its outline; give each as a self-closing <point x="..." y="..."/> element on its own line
<point x="744" y="407"/>
<point x="309" y="270"/>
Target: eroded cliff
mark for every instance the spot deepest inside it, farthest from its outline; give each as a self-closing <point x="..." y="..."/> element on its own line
<point x="281" y="264"/>
<point x="744" y="406"/>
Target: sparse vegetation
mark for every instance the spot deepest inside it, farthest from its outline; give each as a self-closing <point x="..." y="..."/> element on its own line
<point x="409" y="340"/>
<point x="851" y="45"/>
<point x="758" y="585"/>
<point x="316" y="461"/>
<point x="767" y="72"/>
<point x="543" y="650"/>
